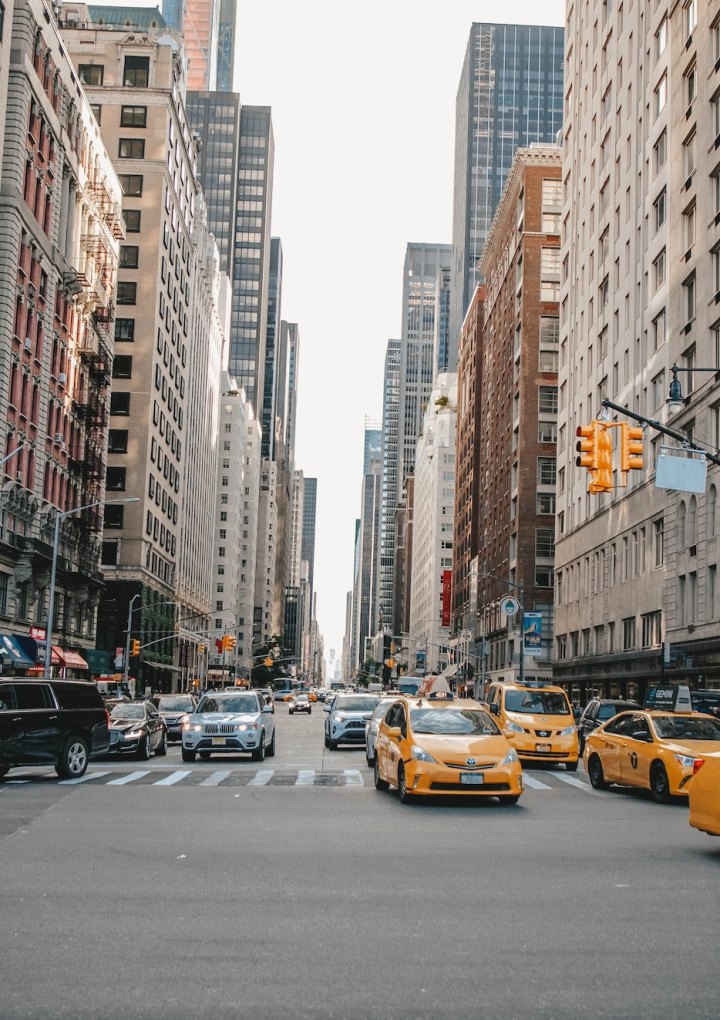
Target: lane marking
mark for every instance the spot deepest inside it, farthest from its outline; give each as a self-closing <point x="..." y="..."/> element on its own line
<point x="83" y="779"/>
<point x="353" y="777"/>
<point x="173" y="778"/>
<point x="305" y="777"/>
<point x="216" y="778"/>
<point x="572" y="781"/>
<point x="262" y="778"/>
<point x="534" y="784"/>
<point x="123" y="780"/>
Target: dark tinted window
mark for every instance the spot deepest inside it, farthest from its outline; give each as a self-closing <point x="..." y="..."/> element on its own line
<point x="32" y="695"/>
<point x="623" y="725"/>
<point x="77" y="696"/>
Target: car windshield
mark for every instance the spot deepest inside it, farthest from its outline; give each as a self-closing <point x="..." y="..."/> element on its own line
<point x="175" y="704"/>
<point x="301" y="697"/>
<point x="128" y="712"/>
<point x="235" y="703"/>
<point x="683" y="727"/>
<point x="537" y="702"/>
<point x="453" y="721"/>
<point x="349" y="704"/>
<point x="381" y="708"/>
<point x="608" y="711"/>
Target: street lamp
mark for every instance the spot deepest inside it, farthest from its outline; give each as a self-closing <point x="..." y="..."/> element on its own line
<point x="675" y="401"/>
<point x="53" y="570"/>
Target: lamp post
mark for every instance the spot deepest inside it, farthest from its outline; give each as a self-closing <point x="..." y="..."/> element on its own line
<point x="53" y="570"/>
<point x="675" y="401"/>
<point x="521" y="610"/>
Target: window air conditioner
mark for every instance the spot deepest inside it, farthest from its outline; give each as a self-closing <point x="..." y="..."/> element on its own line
<point x="19" y="477"/>
<point x="28" y="343"/>
<point x="62" y="378"/>
<point x="59" y="438"/>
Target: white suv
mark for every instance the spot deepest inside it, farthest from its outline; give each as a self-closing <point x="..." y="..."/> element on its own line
<point x="229" y="722"/>
<point x="346" y="718"/>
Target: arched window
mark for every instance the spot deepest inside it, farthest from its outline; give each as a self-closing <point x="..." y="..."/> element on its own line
<point x="692" y="522"/>
<point x="681" y="524"/>
<point x="710" y="511"/>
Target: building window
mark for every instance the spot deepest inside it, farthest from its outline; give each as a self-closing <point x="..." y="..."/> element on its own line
<point x="117" y="441"/>
<point x="126" y="292"/>
<point x="710" y="592"/>
<point x="710" y="510"/>
<point x="137" y="72"/>
<point x="660" y="95"/>
<point x="689" y="17"/>
<point x="119" y="403"/>
<point x="547" y="399"/>
<point x="628" y="633"/>
<point x="3" y="577"/>
<point x="132" y="220"/>
<point x="689" y="157"/>
<point x="689" y="300"/>
<point x="115" y="479"/>
<point x="545" y="503"/>
<point x="689" y="221"/>
<point x="658" y="330"/>
<point x="661" y="38"/>
<point x="658" y="278"/>
<point x="125" y="330"/>
<point x="97" y="111"/>
<point x="546" y="472"/>
<point x="550" y="274"/>
<point x="122" y="366"/>
<point x="114" y="516"/>
<point x="110" y="553"/>
<point x="131" y="148"/>
<point x="131" y="184"/>
<point x="660" y="152"/>
<point x="129" y="254"/>
<point x="652" y="629"/>
<point x="690" y="81"/>
<point x="544" y="543"/>
<point x="659" y="529"/>
<point x="91" y="74"/>
<point x="133" y="116"/>
<point x="659" y="210"/>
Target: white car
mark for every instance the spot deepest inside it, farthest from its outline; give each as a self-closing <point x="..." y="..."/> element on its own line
<point x="346" y="718"/>
<point x="229" y="722"/>
<point x="372" y="726"/>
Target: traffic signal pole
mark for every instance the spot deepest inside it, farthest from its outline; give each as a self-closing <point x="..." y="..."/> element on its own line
<point x="681" y="437"/>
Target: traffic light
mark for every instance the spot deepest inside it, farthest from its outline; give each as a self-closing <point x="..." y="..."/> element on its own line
<point x="631" y="449"/>
<point x="602" y="480"/>
<point x="134" y="646"/>
<point x="231" y="641"/>
<point x="226" y="642"/>
<point x="269" y="662"/>
<point x="201" y="648"/>
<point x="587" y="446"/>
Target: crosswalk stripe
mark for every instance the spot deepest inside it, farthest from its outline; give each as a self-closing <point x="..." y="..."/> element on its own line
<point x="123" y="780"/>
<point x="216" y="778"/>
<point x="262" y="778"/>
<point x="173" y="778"/>
<point x="572" y="781"/>
<point x="82" y="779"/>
<point x="306" y="777"/>
<point x="534" y="784"/>
<point x="353" y="777"/>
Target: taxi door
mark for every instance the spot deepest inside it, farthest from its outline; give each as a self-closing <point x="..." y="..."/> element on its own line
<point x="395" y="719"/>
<point x="613" y="741"/>
<point x="638" y="753"/>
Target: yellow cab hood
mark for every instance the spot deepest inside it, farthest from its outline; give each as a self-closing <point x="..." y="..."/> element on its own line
<point x="540" y="721"/>
<point x="694" y="748"/>
<point x="458" y="748"/>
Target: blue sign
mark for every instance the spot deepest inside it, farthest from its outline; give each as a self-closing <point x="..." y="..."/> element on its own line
<point x="532" y="633"/>
<point x="420" y="663"/>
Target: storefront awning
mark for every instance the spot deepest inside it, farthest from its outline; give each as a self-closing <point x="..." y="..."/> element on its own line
<point x="450" y="671"/>
<point x="69" y="659"/>
<point x="35" y="650"/>
<point x="13" y="650"/>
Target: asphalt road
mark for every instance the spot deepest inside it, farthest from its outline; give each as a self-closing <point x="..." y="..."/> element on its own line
<point x="289" y="889"/>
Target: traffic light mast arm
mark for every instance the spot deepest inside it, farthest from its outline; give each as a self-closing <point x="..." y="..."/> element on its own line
<point x="681" y="437"/>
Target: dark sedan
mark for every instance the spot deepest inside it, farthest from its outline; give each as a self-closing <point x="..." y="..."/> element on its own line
<point x="597" y="711"/>
<point x="175" y="709"/>
<point x="137" y="728"/>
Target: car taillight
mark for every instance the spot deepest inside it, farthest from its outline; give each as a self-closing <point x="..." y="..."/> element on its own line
<point x="698" y="764"/>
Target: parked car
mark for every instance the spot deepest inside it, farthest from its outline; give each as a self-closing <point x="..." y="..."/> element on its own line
<point x="301" y="703"/>
<point x="51" y="722"/>
<point x="175" y="709"/>
<point x="230" y="722"/>
<point x="137" y="728"/>
<point x="346" y="718"/>
<point x="598" y="711"/>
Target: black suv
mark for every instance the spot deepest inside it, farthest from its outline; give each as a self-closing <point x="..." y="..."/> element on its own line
<point x="598" y="711"/>
<point x="51" y="722"/>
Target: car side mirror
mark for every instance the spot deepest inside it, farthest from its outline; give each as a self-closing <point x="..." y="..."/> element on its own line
<point x="326" y="708"/>
<point x="394" y="732"/>
<point x="495" y="709"/>
<point x="641" y="735"/>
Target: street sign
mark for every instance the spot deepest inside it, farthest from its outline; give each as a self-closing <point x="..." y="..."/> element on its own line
<point x="466" y="635"/>
<point x="681" y="469"/>
<point x="532" y="633"/>
<point x="509" y="605"/>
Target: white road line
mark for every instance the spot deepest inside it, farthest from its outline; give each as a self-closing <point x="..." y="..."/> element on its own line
<point x="174" y="777"/>
<point x="534" y="784"/>
<point x="15" y="782"/>
<point x="353" y="777"/>
<point x="262" y="778"/>
<point x="82" y="779"/>
<point x="216" y="778"/>
<point x="123" y="780"/>
<point x="572" y="781"/>
<point x="306" y="777"/>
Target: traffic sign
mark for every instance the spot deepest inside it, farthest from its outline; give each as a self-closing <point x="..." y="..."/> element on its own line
<point x="509" y="605"/>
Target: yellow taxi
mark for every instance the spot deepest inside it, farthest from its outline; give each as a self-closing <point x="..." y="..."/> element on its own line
<point x="651" y="749"/>
<point x="538" y="720"/>
<point x="441" y="744"/>
<point x="705" y="794"/>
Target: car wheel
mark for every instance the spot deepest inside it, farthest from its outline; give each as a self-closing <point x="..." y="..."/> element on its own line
<point x="571" y="766"/>
<point x="270" y="749"/>
<point x="508" y="801"/>
<point x="327" y="742"/>
<point x="659" y="784"/>
<point x="581" y="744"/>
<point x="161" y="749"/>
<point x="332" y="745"/>
<point x="259" y="753"/>
<point x="380" y="784"/>
<point x="73" y="760"/>
<point x="205" y="755"/>
<point x="595" y="772"/>
<point x="370" y="759"/>
<point x="290" y="711"/>
<point x="4" y="769"/>
<point x="309" y="711"/>
<point x="144" y="751"/>
<point x="402" y="785"/>
<point x="188" y="755"/>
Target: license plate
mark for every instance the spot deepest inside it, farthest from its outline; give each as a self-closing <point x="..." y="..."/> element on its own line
<point x="542" y="748"/>
<point x="218" y="741"/>
<point x="472" y="778"/>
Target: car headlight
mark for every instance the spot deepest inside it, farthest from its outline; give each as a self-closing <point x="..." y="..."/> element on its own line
<point x="513" y="727"/>
<point x="686" y="760"/>
<point x="510" y="757"/>
<point x="339" y="717"/>
<point x="133" y="734"/>
<point x="195" y="727"/>
<point x="183" y="719"/>
<point x="419" y="755"/>
<point x="568" y="731"/>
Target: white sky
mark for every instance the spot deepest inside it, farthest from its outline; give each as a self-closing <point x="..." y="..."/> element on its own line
<point x="363" y="107"/>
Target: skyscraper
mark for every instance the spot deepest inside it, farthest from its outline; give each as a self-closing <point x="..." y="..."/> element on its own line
<point x="510" y="95"/>
<point x="308" y="528"/>
<point x="209" y="33"/>
<point x="391" y="412"/>
<point x="271" y="348"/>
